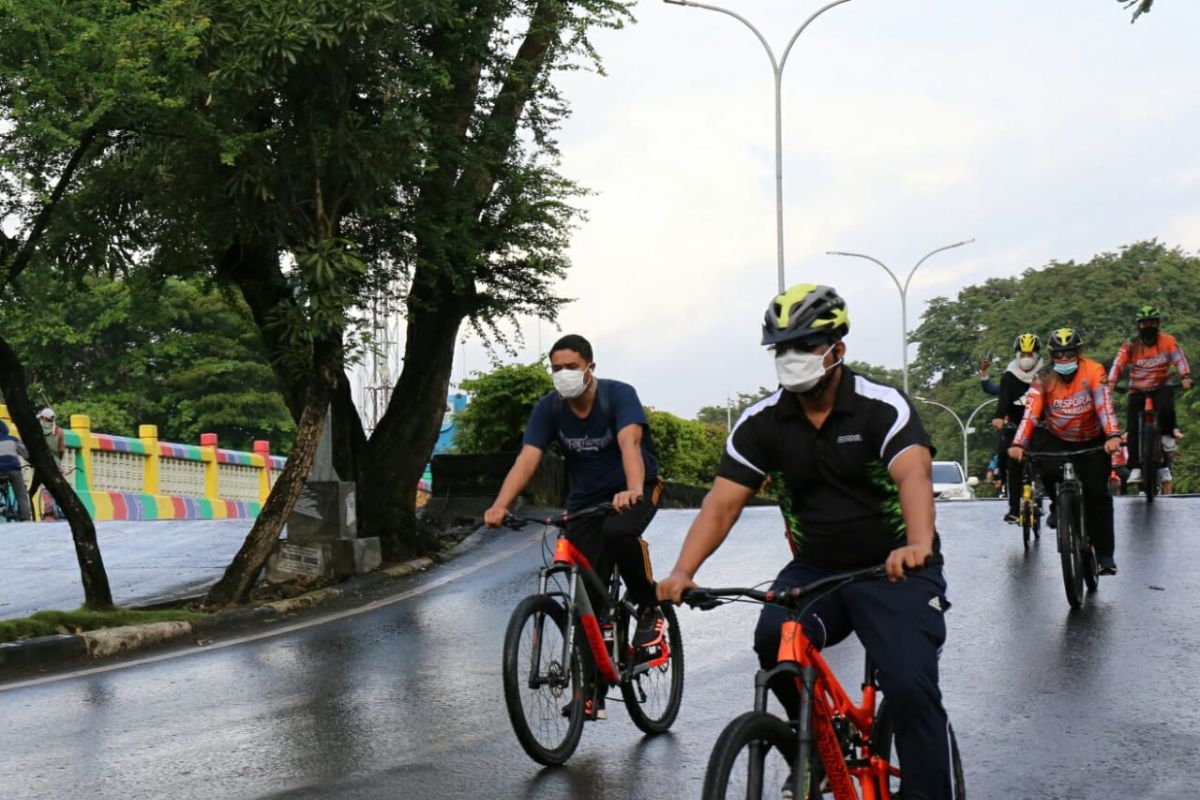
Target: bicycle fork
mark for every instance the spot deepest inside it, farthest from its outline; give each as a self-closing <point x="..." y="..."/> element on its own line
<point x="578" y="606"/>
<point x="1065" y="545"/>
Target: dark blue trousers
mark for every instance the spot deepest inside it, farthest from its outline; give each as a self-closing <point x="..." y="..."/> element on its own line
<point x="902" y="628"/>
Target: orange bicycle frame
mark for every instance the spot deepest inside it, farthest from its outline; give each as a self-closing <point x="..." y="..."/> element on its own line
<point x="568" y="558"/>
<point x="829" y="702"/>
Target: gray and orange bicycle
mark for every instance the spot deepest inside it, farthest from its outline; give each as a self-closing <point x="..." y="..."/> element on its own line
<point x="562" y="653"/>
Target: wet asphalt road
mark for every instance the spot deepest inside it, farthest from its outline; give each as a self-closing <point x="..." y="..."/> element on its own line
<point x="405" y="701"/>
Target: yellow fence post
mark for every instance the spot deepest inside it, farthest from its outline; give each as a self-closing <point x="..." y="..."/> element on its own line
<point x="82" y="424"/>
<point x="151" y="477"/>
<point x="212" y="479"/>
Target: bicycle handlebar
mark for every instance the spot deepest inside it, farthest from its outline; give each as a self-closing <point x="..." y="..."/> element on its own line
<point x="1099" y="448"/>
<point x="1126" y="389"/>
<point x="516" y="521"/>
<point x="705" y="599"/>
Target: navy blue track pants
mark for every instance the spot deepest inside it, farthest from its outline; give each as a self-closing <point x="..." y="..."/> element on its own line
<point x="902" y="628"/>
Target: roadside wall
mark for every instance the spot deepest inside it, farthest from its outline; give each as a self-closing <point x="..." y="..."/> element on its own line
<point x="459" y="477"/>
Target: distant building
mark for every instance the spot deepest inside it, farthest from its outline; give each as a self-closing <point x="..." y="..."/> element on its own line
<point x="455" y="403"/>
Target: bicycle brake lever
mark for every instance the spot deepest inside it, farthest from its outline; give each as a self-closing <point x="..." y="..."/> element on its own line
<point x="699" y="600"/>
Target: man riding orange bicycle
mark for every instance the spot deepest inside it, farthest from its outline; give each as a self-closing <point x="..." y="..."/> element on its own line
<point x="851" y="464"/>
<point x="1149" y="357"/>
<point x="601" y="428"/>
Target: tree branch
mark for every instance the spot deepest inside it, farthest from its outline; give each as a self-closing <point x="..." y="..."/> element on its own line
<point x="15" y="265"/>
<point x="500" y="128"/>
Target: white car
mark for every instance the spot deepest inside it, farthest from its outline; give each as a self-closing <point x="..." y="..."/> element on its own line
<point x="949" y="484"/>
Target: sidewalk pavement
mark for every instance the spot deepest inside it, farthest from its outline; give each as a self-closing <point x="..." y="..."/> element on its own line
<point x="147" y="563"/>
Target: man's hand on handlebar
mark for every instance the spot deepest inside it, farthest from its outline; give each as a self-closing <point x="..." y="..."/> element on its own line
<point x="912" y="557"/>
<point x="673" y="586"/>
<point x="1016" y="453"/>
<point x="998" y="424"/>
<point x="1186" y="383"/>
<point x="623" y="501"/>
<point x="494" y="516"/>
<point x="1112" y="444"/>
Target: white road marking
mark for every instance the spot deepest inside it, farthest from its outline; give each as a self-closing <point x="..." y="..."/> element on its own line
<point x="279" y="631"/>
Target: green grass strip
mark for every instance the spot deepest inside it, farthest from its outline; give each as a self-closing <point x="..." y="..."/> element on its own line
<point x="48" y="623"/>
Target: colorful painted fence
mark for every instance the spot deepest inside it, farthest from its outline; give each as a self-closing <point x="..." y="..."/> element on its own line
<point x="121" y="477"/>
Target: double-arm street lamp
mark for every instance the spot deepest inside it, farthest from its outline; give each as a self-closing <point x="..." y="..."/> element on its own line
<point x="964" y="426"/>
<point x="903" y="289"/>
<point x="777" y="65"/>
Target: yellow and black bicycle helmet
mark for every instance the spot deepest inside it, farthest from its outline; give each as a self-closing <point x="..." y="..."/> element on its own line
<point x="1065" y="340"/>
<point x="806" y="313"/>
<point x="1148" y="312"/>
<point x="1027" y="343"/>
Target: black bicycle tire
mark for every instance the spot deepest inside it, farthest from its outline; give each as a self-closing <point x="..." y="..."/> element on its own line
<point x="548" y="756"/>
<point x="641" y="719"/>
<point x="1088" y="563"/>
<point x="881" y="745"/>
<point x="738" y="734"/>
<point x="1072" y="563"/>
<point x="1026" y="521"/>
<point x="1150" y="445"/>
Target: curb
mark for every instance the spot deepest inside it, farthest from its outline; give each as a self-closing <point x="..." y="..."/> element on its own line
<point x="32" y="655"/>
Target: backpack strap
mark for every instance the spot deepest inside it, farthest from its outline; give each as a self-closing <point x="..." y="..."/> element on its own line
<point x="602" y="404"/>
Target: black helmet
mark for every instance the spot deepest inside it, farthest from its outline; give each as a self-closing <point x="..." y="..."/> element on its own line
<point x="1146" y="312"/>
<point x="1064" y="340"/>
<point x="806" y="313"/>
<point x="1027" y="343"/>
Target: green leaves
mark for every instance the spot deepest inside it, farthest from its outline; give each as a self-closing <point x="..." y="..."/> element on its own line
<point x="1098" y="297"/>
<point x="688" y="451"/>
<point x="173" y="353"/>
<point x="1139" y="6"/>
<point x="501" y="401"/>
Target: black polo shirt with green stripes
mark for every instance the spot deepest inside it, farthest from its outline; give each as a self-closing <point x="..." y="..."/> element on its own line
<point x="840" y="504"/>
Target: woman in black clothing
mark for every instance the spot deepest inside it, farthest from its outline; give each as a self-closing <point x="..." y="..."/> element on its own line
<point x="1010" y="407"/>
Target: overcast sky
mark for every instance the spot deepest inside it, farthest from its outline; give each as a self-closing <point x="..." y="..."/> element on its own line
<point x="1043" y="130"/>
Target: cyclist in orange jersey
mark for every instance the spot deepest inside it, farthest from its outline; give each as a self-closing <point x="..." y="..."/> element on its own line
<point x="1150" y="356"/>
<point x="1076" y="411"/>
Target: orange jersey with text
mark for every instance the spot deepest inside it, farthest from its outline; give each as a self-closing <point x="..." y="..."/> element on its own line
<point x="1075" y="410"/>
<point x="1149" y="364"/>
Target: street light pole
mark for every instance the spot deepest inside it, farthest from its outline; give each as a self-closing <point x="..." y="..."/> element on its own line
<point x="964" y="426"/>
<point x="957" y="419"/>
<point x="967" y="429"/>
<point x="777" y="66"/>
<point x="903" y="294"/>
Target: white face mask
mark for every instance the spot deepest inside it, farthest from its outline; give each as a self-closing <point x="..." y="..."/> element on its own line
<point x="799" y="372"/>
<point x="1026" y="362"/>
<point x="570" y="383"/>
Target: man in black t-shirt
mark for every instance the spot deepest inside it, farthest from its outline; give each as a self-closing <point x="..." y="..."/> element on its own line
<point x="851" y="464"/>
<point x="602" y="430"/>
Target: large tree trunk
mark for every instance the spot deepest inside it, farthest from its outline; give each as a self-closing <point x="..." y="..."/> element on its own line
<point x="241" y="574"/>
<point x="96" y="592"/>
<point x="387" y="467"/>
<point x="394" y="459"/>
